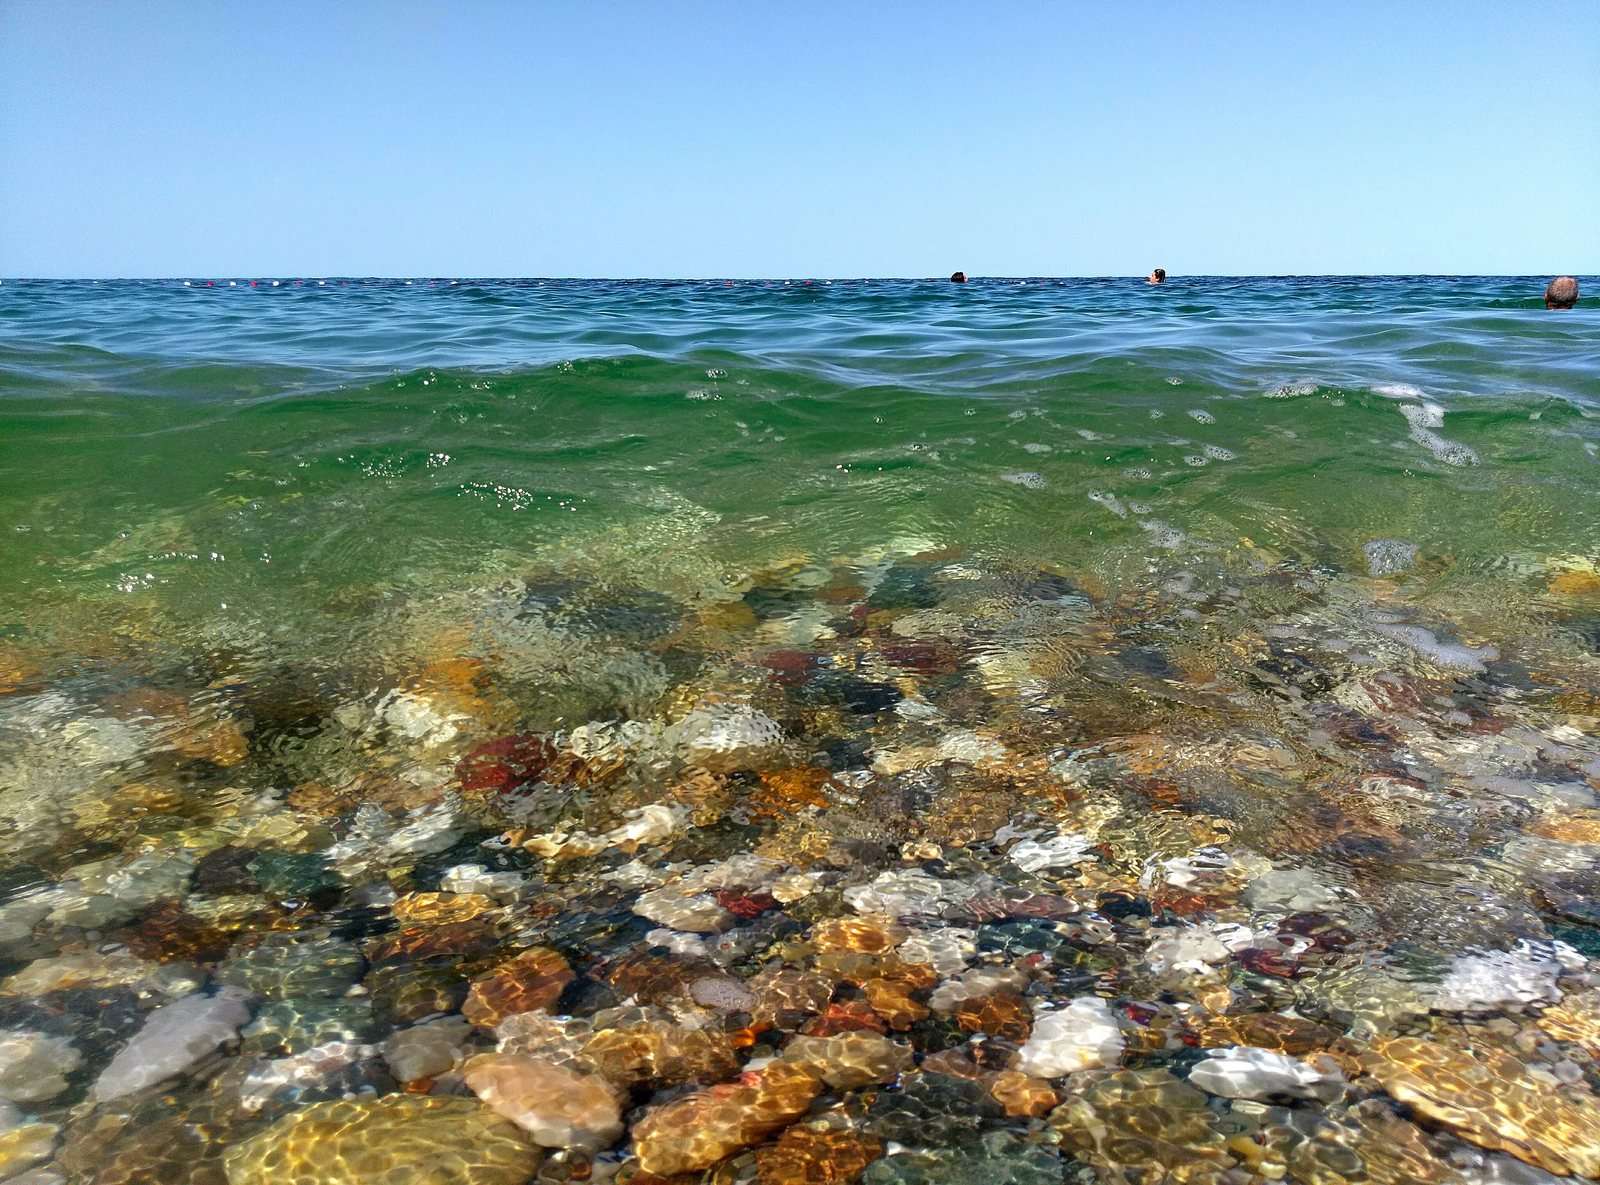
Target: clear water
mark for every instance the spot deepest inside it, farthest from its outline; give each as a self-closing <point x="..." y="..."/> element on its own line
<point x="1304" y="569"/>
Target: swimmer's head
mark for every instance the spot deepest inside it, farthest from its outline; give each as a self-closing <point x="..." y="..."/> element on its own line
<point x="958" y="277"/>
<point x="1159" y="276"/>
<point x="1561" y="293"/>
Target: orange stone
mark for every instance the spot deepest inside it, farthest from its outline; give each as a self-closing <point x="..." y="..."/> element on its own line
<point x="1577" y="829"/>
<point x="1268" y="1030"/>
<point x="845" y="1016"/>
<point x="803" y="1155"/>
<point x="453" y="938"/>
<point x="784" y="791"/>
<point x="892" y="1001"/>
<point x="1004" y="1014"/>
<point x="1023" y="1097"/>
<point x="866" y="934"/>
<point x="531" y="982"/>
<point x="695" y="1132"/>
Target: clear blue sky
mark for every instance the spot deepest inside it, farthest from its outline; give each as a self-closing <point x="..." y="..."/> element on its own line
<point x="758" y="138"/>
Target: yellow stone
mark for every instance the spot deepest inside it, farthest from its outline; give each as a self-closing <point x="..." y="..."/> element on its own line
<point x="1142" y="1125"/>
<point x="397" y="1139"/>
<point x="26" y="1145"/>
<point x="1022" y="1096"/>
<point x="695" y="1132"/>
<point x="1572" y="829"/>
<point x="1576" y="582"/>
<point x="872" y="935"/>
<point x="1488" y="1096"/>
<point x="415" y="909"/>
<point x="1576" y="1018"/>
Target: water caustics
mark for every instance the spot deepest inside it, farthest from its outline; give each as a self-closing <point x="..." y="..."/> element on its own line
<point x="486" y="731"/>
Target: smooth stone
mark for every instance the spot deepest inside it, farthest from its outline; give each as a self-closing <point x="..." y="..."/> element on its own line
<point x="34" y="1066"/>
<point x="1081" y="1036"/>
<point x="171" y="1040"/>
<point x="559" y="1107"/>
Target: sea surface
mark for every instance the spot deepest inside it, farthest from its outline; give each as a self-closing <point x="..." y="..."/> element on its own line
<point x="744" y="727"/>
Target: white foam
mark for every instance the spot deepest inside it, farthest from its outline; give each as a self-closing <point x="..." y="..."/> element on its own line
<point x="1027" y="479"/>
<point x="1194" y="461"/>
<point x="1201" y="416"/>
<point x="1217" y="453"/>
<point x="1292" y="390"/>
<point x="1397" y="390"/>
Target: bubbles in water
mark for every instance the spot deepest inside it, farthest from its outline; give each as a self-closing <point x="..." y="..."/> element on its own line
<point x="1195" y="461"/>
<point x="1109" y="501"/>
<point x="1217" y="453"/>
<point x="1201" y="416"/>
<point x="1389" y="557"/>
<point x="1164" y="534"/>
<point x="1090" y="435"/>
<point x="1175" y="382"/>
<point x="1424" y="418"/>
<point x="1033" y="446"/>
<point x="1156" y="413"/>
<point x="1292" y="390"/>
<point x="1138" y="473"/>
<point x="716" y="372"/>
<point x="1397" y="390"/>
<point x="1139" y="507"/>
<point x="1027" y="479"/>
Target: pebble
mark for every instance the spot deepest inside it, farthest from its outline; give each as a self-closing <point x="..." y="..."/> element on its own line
<point x="1080" y="1036"/>
<point x="34" y="1066"/>
<point x="557" y="1106"/>
<point x="172" y="1039"/>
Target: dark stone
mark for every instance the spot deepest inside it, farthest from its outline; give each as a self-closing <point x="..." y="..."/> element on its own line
<point x="226" y="871"/>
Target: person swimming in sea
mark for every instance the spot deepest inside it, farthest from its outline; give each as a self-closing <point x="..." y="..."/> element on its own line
<point x="1159" y="276"/>
<point x="1561" y="293"/>
<point x="958" y="277"/>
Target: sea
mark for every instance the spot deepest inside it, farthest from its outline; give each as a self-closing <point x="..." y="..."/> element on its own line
<point x="799" y="730"/>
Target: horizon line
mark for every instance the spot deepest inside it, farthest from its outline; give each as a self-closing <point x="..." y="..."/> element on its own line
<point x="436" y="277"/>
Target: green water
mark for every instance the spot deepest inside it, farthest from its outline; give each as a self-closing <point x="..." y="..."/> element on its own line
<point x="1276" y="602"/>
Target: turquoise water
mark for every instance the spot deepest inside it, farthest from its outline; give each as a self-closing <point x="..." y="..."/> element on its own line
<point x="1270" y="603"/>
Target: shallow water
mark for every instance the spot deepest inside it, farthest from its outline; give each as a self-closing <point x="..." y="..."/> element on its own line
<point x="795" y="661"/>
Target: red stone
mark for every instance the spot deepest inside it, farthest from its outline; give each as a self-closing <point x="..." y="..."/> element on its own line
<point x="506" y="764"/>
<point x="745" y="905"/>
<point x="1267" y="962"/>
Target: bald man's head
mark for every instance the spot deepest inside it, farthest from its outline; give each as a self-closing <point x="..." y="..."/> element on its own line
<point x="1561" y="293"/>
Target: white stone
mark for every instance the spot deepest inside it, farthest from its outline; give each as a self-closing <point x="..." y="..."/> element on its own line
<point x="1293" y="890"/>
<point x="1061" y="851"/>
<point x="1494" y="980"/>
<point x="504" y="887"/>
<point x="975" y="984"/>
<point x="171" y="1040"/>
<point x="1195" y="947"/>
<point x="909" y="893"/>
<point x="34" y="1066"/>
<point x="1081" y="1036"/>
<point x="695" y="913"/>
<point x="1247" y="1072"/>
<point x="946" y="951"/>
<point x="725" y="738"/>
